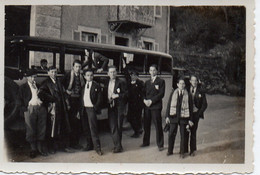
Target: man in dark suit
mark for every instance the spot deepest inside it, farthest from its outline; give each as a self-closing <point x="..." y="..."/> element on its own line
<point x="35" y="114"/>
<point x="135" y="103"/>
<point x="154" y="92"/>
<point x="90" y="106"/>
<point x="179" y="112"/>
<point x="96" y="61"/>
<point x="199" y="105"/>
<point x="58" y="127"/>
<point x="73" y="83"/>
<point x="115" y="92"/>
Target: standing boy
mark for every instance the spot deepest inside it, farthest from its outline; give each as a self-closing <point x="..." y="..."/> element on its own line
<point x="135" y="103"/>
<point x="179" y="113"/>
<point x="199" y="105"/>
<point x="34" y="113"/>
<point x="73" y="83"/>
<point x="116" y="95"/>
<point x="154" y="93"/>
<point x="58" y="127"/>
<point x="90" y="104"/>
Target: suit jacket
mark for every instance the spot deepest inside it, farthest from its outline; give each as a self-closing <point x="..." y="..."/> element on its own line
<point x="98" y="58"/>
<point x="135" y="94"/>
<point x="66" y="80"/>
<point x="55" y="93"/>
<point x="200" y="102"/>
<point x="175" y="118"/>
<point x="95" y="97"/>
<point x="25" y="96"/>
<point x="120" y="89"/>
<point x="155" y="92"/>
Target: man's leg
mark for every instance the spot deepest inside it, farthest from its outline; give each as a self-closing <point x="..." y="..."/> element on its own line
<point x="157" y="120"/>
<point x="120" y="113"/>
<point x="86" y="130"/>
<point x="193" y="136"/>
<point x="147" y="127"/>
<point x="74" y="122"/>
<point x="113" y="124"/>
<point x="92" y="120"/>
<point x="30" y="122"/>
<point x="41" y="129"/>
<point x="184" y="140"/>
<point x="171" y="137"/>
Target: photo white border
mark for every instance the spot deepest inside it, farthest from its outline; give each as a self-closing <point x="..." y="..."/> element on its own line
<point x="247" y="167"/>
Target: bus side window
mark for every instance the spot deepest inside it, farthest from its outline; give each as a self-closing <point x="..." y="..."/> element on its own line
<point x="166" y="66"/>
<point x="135" y="62"/>
<point x="152" y="60"/>
<point x="35" y="58"/>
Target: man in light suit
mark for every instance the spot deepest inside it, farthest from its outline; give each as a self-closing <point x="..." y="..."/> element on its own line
<point x="35" y="114"/>
<point x="199" y="105"/>
<point x="154" y="92"/>
<point x="90" y="106"/>
<point x="115" y="93"/>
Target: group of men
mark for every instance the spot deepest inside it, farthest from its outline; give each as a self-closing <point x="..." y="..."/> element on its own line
<point x="59" y="111"/>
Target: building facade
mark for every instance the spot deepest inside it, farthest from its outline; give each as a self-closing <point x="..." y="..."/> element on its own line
<point x="145" y="27"/>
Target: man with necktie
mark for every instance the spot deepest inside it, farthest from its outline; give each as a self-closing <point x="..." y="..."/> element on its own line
<point x="54" y="97"/>
<point x="73" y="83"/>
<point x="90" y="106"/>
<point x="154" y="89"/>
<point x="179" y="112"/>
<point x="35" y="114"/>
<point x="115" y="92"/>
<point x="199" y="105"/>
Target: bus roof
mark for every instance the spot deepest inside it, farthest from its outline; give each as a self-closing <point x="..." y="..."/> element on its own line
<point x="83" y="45"/>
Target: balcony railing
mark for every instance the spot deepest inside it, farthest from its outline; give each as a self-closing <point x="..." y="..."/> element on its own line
<point x="142" y="15"/>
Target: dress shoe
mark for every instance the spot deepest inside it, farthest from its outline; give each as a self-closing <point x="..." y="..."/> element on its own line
<point x="182" y="156"/>
<point x="42" y="153"/>
<point x="118" y="150"/>
<point x="144" y="145"/>
<point x="33" y="154"/>
<point x="68" y="150"/>
<point x="168" y="154"/>
<point x="99" y="152"/>
<point x="77" y="147"/>
<point x="88" y="148"/>
<point x="135" y="135"/>
<point x="52" y="151"/>
<point x="160" y="148"/>
<point x="192" y="154"/>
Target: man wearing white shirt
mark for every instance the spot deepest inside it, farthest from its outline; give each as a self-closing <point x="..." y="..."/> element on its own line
<point x="34" y="113"/>
<point x="90" y="107"/>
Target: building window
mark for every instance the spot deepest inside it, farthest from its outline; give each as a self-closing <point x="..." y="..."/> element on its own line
<point x="158" y="11"/>
<point x="148" y="45"/>
<point x="87" y="34"/>
<point x="121" y="41"/>
<point x="89" y="37"/>
<point x="104" y="39"/>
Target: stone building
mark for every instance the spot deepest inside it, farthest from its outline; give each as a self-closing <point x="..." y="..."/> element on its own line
<point x="145" y="27"/>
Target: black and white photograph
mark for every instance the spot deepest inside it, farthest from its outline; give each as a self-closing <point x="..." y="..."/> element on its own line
<point x="142" y="84"/>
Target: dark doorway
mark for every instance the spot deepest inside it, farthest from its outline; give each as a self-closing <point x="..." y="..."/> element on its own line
<point x="17" y="20"/>
<point x="121" y="41"/>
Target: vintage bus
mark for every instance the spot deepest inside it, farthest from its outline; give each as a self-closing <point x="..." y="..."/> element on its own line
<point x="25" y="52"/>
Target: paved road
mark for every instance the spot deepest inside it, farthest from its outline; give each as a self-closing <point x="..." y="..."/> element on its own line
<point x="221" y="137"/>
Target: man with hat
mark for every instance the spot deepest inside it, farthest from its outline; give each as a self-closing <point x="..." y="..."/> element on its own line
<point x="34" y="113"/>
<point x="135" y="103"/>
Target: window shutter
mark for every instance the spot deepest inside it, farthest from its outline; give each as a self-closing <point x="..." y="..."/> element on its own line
<point x="104" y="39"/>
<point x="156" y="46"/>
<point x="158" y="11"/>
<point x="76" y="35"/>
